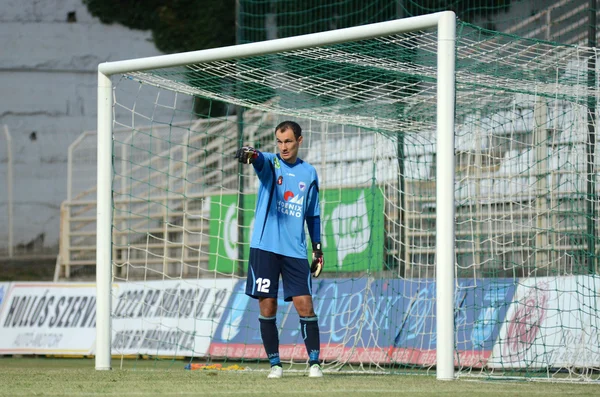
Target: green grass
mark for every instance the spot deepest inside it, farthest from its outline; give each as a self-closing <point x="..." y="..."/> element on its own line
<point x="77" y="377"/>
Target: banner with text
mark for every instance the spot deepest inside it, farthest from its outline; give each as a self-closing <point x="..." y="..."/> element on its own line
<point x="165" y="318"/>
<point x="552" y="322"/>
<point x="48" y="318"/>
<point x="168" y="318"/>
<point x="373" y="320"/>
<point x="352" y="230"/>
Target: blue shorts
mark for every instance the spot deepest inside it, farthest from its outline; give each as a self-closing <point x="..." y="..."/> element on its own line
<point x="264" y="269"/>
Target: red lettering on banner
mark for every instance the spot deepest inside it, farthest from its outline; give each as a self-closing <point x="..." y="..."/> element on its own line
<point x="526" y="321"/>
<point x="424" y="358"/>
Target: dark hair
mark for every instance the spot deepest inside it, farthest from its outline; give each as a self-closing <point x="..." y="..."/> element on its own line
<point x="295" y="127"/>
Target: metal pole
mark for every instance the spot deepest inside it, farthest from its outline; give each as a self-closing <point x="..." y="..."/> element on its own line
<point x="444" y="203"/>
<point x="402" y="187"/>
<point x="104" y="224"/>
<point x="540" y="139"/>
<point x="402" y="265"/>
<point x="9" y="189"/>
<point x="591" y="142"/>
<point x="240" y="139"/>
<point x="246" y="50"/>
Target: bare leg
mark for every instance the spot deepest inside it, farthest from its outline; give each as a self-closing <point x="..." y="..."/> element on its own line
<point x="268" y="306"/>
<point x="303" y="305"/>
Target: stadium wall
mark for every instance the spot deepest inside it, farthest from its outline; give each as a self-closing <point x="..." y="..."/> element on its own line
<point x="48" y="71"/>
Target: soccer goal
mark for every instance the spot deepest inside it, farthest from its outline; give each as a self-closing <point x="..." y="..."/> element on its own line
<point x="458" y="195"/>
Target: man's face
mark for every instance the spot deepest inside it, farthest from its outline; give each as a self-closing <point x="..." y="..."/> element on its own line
<point x="288" y="144"/>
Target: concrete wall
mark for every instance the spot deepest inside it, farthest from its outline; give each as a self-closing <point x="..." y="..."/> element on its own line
<point x="47" y="99"/>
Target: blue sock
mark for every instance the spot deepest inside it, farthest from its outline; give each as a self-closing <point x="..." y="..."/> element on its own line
<point x="270" y="338"/>
<point x="310" y="332"/>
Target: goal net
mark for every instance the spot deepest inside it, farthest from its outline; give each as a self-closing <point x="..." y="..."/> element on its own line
<point x="519" y="187"/>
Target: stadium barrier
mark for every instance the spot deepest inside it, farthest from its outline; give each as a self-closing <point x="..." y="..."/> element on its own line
<point x="499" y="323"/>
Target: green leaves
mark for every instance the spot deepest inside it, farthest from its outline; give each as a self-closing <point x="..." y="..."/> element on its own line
<point x="176" y="25"/>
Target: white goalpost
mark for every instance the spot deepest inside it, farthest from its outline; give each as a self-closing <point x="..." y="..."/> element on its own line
<point x="444" y="24"/>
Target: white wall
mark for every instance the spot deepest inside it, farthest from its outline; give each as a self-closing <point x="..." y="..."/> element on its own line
<point x="48" y="86"/>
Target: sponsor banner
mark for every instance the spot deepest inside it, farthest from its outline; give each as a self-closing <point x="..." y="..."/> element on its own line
<point x="552" y="322"/>
<point x="48" y="318"/>
<point x="168" y="318"/>
<point x="3" y="290"/>
<point x="352" y="230"/>
<point x="479" y="310"/>
<point x="224" y="240"/>
<point x="379" y="320"/>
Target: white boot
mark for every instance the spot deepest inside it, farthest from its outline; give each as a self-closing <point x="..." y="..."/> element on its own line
<point x="315" y="371"/>
<point x="276" y="372"/>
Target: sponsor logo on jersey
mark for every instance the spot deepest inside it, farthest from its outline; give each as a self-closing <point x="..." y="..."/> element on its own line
<point x="297" y="200"/>
<point x="292" y="205"/>
<point x="280" y="180"/>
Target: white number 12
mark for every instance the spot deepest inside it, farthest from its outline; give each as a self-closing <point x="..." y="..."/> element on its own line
<point x="263" y="284"/>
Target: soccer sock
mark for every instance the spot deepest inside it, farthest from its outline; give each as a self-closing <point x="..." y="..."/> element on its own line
<point x="310" y="332"/>
<point x="270" y="338"/>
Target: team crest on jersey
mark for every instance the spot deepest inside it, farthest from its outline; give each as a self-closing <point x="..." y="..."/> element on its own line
<point x="280" y="180"/>
<point x="302" y="186"/>
<point x="276" y="161"/>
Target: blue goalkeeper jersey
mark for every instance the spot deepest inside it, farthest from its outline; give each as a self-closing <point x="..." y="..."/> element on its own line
<point x="288" y="194"/>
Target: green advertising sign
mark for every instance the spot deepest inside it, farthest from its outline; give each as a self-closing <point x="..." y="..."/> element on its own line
<point x="224" y="231"/>
<point x="352" y="229"/>
<point x="351" y="221"/>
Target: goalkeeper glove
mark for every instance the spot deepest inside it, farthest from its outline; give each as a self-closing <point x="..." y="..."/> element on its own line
<point x="317" y="262"/>
<point x="246" y="154"/>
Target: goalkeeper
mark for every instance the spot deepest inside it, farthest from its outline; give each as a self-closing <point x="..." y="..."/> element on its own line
<point x="288" y="197"/>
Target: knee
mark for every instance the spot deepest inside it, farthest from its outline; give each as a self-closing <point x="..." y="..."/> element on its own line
<point x="304" y="306"/>
<point x="268" y="307"/>
<point x="306" y="311"/>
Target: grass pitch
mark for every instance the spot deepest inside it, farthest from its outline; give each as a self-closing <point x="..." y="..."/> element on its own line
<point x="77" y="377"/>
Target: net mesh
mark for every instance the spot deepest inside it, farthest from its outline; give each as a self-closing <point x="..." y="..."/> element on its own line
<point x="526" y="204"/>
<point x="561" y="21"/>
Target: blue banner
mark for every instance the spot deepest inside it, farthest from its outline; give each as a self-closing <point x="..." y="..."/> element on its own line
<point x="377" y="314"/>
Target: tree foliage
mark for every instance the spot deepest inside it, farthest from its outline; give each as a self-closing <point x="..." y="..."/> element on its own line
<point x="176" y="25"/>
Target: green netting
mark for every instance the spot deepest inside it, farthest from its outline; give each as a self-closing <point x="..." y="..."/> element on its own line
<point x="525" y="196"/>
<point x="563" y="21"/>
